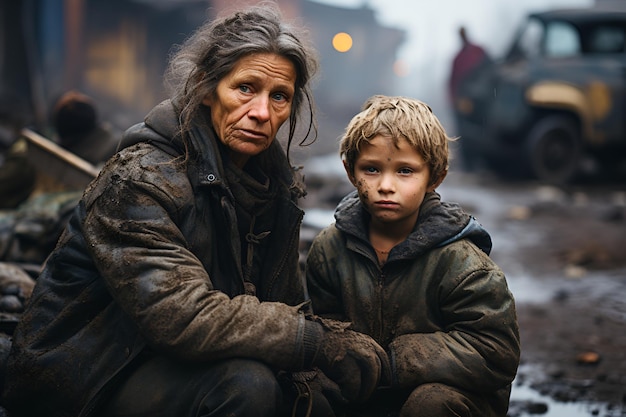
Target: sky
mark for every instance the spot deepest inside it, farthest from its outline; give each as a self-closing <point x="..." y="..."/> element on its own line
<point x="432" y="33"/>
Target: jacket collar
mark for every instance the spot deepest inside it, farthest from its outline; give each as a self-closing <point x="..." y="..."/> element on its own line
<point x="439" y="223"/>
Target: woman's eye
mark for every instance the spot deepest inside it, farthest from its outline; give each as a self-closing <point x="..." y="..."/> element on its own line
<point x="280" y="97"/>
<point x="244" y="88"/>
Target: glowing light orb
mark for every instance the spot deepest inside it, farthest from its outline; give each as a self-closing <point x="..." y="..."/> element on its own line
<point x="342" y="42"/>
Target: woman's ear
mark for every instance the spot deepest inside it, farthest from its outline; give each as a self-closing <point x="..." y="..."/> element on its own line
<point x="349" y="171"/>
<point x="437" y="182"/>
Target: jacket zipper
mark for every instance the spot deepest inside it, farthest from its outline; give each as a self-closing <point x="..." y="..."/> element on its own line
<point x="381" y="287"/>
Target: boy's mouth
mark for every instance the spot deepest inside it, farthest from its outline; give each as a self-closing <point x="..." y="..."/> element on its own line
<point x="386" y="204"/>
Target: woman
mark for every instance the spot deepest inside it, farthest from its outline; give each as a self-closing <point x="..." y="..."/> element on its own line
<point x="175" y="289"/>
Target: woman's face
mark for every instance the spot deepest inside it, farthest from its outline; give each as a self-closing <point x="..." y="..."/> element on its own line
<point x="251" y="102"/>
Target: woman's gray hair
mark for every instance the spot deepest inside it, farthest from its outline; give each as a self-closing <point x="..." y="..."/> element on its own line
<point x="213" y="50"/>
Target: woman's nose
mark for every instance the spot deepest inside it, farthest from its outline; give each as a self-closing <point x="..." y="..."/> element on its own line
<point x="260" y="109"/>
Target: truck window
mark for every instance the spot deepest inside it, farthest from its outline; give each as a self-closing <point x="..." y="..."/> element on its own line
<point x="562" y="40"/>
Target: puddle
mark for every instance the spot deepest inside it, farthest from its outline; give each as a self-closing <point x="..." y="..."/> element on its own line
<point x="525" y="401"/>
<point x="318" y="218"/>
<point x="533" y="403"/>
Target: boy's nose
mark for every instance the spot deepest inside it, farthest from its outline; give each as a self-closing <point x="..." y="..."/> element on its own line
<point x="386" y="183"/>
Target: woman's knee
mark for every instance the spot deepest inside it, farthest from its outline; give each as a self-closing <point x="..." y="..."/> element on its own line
<point x="162" y="387"/>
<point x="436" y="400"/>
<point x="248" y="386"/>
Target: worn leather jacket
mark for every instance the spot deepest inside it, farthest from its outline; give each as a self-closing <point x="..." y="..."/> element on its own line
<point x="439" y="305"/>
<point x="151" y="260"/>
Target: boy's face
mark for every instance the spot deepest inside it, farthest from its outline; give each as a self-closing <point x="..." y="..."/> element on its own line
<point x="391" y="181"/>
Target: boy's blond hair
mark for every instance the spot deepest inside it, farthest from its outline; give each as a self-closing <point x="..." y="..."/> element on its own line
<point x="398" y="117"/>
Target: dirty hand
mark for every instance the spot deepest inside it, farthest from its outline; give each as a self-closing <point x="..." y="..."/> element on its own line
<point x="352" y="360"/>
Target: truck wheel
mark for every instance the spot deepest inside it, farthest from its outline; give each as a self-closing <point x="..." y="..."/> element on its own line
<point x="554" y="150"/>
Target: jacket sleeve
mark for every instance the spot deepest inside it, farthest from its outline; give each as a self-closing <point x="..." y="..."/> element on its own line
<point x="479" y="339"/>
<point x="163" y="287"/>
<point x="325" y="297"/>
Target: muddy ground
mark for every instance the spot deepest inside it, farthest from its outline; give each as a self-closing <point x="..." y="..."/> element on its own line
<point x="568" y="272"/>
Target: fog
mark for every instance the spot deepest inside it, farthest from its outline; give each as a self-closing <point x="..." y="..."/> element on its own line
<point x="432" y="35"/>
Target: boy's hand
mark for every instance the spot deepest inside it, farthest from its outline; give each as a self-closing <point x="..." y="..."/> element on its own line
<point x="353" y="360"/>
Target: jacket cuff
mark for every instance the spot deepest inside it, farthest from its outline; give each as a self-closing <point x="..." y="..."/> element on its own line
<point x="312" y="338"/>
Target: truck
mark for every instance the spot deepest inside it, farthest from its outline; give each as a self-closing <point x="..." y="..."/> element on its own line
<point x="554" y="106"/>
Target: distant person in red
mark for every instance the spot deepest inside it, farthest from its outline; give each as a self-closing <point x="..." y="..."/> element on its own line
<point x="469" y="58"/>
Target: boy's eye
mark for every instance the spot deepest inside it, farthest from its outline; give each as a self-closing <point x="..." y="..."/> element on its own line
<point x="371" y="170"/>
<point x="405" y="171"/>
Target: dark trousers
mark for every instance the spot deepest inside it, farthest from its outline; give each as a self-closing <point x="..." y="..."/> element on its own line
<point x="159" y="387"/>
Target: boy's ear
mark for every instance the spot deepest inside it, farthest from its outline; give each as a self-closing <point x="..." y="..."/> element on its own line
<point x="438" y="182"/>
<point x="349" y="172"/>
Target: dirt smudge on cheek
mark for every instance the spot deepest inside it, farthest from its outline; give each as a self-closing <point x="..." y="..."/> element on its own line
<point x="362" y="189"/>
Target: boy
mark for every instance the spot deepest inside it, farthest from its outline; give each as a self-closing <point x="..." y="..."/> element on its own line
<point x="414" y="273"/>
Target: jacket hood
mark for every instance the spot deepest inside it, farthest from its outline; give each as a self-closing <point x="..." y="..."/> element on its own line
<point x="159" y="127"/>
<point x="439" y="223"/>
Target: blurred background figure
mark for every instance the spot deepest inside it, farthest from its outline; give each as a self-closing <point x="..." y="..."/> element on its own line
<point x="79" y="130"/>
<point x="17" y="175"/>
<point x="470" y="58"/>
